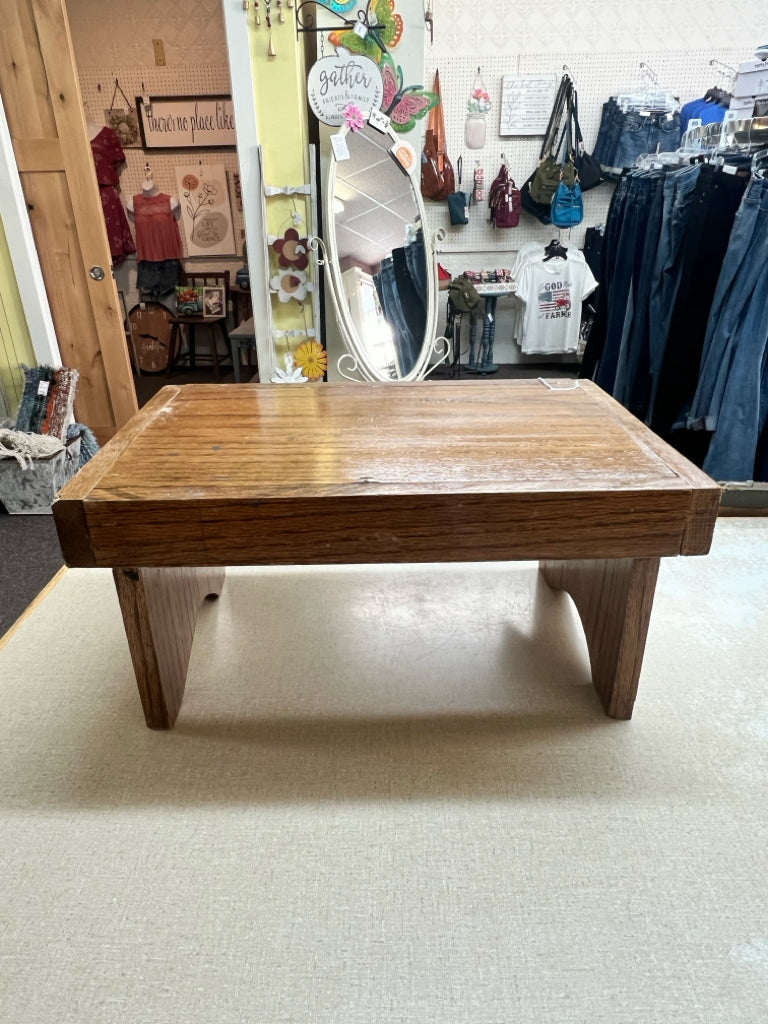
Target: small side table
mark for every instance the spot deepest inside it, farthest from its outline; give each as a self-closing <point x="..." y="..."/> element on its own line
<point x="242" y="337"/>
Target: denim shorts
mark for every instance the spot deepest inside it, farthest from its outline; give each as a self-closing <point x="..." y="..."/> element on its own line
<point x="636" y="133"/>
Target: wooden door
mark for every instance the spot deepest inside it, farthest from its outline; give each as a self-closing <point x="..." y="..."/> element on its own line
<point x="41" y="95"/>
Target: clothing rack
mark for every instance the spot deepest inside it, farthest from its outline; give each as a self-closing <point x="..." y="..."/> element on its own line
<point x="731" y="132"/>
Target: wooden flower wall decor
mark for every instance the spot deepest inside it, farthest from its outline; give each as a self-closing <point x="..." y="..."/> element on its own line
<point x="292" y="250"/>
<point x="290" y="284"/>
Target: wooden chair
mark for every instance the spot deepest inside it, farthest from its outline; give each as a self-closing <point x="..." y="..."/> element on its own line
<point x="216" y="323"/>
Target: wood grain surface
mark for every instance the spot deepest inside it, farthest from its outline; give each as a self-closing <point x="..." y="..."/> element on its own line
<point x="160" y="608"/>
<point x="412" y="472"/>
<point x="614" y="598"/>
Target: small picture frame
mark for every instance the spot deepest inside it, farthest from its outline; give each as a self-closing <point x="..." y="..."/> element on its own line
<point x="213" y="301"/>
<point x="189" y="300"/>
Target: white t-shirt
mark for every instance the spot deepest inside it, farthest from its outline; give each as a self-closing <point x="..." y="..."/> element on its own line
<point x="553" y="292"/>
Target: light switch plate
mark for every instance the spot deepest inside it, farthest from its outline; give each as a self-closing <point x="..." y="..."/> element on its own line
<point x="157" y="46"/>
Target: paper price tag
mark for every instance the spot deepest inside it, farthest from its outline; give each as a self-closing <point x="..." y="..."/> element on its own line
<point x="42" y="387"/>
<point x="360" y="30"/>
<point x="404" y="153"/>
<point x="340" y="147"/>
<point x="378" y="120"/>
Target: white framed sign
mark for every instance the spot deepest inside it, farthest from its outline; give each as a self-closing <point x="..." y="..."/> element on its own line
<point x="335" y="82"/>
<point x="186" y="122"/>
<point x="526" y="104"/>
<point x="206" y="215"/>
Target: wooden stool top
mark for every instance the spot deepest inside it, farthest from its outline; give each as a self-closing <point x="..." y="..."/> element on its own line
<point x="448" y="471"/>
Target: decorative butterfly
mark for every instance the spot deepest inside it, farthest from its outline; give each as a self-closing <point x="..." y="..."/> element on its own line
<point x="404" y="104"/>
<point x="384" y="32"/>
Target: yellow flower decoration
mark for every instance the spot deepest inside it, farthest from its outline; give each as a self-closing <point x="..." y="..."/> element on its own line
<point x="312" y="358"/>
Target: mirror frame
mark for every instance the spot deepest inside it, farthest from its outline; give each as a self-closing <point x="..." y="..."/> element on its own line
<point x="349" y="332"/>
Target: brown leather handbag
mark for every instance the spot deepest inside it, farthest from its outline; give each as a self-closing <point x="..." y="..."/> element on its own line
<point x="437" y="177"/>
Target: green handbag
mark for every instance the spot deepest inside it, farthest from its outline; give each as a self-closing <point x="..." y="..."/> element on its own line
<point x="546" y="177"/>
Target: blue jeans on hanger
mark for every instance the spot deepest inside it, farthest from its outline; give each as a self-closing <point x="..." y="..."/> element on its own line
<point x="405" y="346"/>
<point x="621" y="281"/>
<point x="411" y="302"/>
<point x="678" y="199"/>
<point x="717" y="198"/>
<point x="607" y="132"/>
<point x="742" y="266"/>
<point x="741" y="416"/>
<point x="634" y="333"/>
<point x="593" y="353"/>
<point x="634" y="384"/>
<point x="417" y="265"/>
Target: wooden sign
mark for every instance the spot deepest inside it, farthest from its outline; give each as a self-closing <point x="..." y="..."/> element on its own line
<point x="526" y="103"/>
<point x="187" y="122"/>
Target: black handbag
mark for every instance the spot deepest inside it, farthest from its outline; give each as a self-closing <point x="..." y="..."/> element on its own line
<point x="458" y="202"/>
<point x="590" y="171"/>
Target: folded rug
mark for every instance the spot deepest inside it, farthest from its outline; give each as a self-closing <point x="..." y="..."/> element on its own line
<point x="15" y="444"/>
<point x="88" y="443"/>
<point x="48" y="400"/>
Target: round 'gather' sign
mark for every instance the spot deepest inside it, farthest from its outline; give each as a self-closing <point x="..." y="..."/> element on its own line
<point x="335" y="82"/>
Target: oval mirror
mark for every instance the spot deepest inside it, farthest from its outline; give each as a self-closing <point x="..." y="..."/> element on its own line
<point x="381" y="266"/>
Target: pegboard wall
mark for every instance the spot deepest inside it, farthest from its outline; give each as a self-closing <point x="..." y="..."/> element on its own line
<point x="98" y="85"/>
<point x="597" y="76"/>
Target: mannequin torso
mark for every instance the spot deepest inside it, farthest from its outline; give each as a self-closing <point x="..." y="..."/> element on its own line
<point x="148" y="190"/>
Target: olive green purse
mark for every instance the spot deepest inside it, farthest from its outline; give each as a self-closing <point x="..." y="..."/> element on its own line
<point x="546" y="177"/>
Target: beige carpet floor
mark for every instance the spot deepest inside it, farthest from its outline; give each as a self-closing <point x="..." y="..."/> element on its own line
<point x="391" y="796"/>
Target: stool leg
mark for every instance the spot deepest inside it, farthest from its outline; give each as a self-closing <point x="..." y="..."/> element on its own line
<point x="614" y="598"/>
<point x="159" y="609"/>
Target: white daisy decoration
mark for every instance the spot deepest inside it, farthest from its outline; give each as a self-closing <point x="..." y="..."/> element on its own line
<point x="290" y="375"/>
<point x="290" y="284"/>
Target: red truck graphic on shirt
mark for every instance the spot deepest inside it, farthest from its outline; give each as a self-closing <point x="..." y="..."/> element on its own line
<point x="555" y="300"/>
